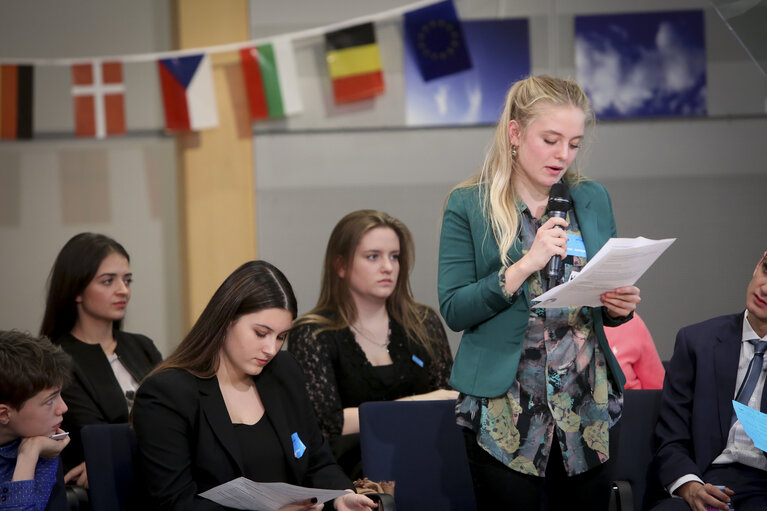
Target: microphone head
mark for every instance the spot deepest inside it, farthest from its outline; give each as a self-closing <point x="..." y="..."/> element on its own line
<point x="559" y="197"/>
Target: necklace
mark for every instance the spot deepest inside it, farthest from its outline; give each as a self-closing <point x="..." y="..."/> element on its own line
<point x="383" y="346"/>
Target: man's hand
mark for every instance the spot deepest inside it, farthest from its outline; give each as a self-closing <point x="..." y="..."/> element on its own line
<point x="702" y="496"/>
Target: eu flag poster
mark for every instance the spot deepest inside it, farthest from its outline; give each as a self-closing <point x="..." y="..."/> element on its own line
<point x="500" y="51"/>
<point x="434" y="36"/>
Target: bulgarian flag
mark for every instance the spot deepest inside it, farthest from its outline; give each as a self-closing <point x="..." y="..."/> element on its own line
<point x="188" y="96"/>
<point x="271" y="80"/>
<point x="354" y="63"/>
<point x="16" y="101"/>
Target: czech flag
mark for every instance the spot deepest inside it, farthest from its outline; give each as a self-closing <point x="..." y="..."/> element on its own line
<point x="188" y="96"/>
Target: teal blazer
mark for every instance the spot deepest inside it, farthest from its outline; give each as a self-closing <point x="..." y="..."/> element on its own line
<point x="471" y="298"/>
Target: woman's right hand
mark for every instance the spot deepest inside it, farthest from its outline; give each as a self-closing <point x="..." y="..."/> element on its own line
<point x="303" y="505"/>
<point x="549" y="241"/>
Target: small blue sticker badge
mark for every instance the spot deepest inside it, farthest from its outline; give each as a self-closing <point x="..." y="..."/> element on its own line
<point x="575" y="246"/>
<point x="418" y="361"/>
<point x="298" y="446"/>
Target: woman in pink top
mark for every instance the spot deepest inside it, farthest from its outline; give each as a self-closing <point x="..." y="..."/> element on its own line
<point x="635" y="350"/>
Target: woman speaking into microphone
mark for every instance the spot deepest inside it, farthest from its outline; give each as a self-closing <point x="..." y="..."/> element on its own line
<point x="540" y="390"/>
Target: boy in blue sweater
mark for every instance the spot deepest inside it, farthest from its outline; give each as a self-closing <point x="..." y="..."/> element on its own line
<point x="32" y="373"/>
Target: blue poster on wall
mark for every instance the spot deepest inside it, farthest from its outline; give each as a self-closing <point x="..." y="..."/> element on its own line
<point x="644" y="64"/>
<point x="500" y="54"/>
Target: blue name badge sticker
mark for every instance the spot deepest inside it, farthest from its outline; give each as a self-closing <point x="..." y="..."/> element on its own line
<point x="418" y="361"/>
<point x="298" y="446"/>
<point x="575" y="246"/>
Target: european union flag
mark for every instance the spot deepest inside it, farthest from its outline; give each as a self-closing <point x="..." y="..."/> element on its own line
<point x="434" y="36"/>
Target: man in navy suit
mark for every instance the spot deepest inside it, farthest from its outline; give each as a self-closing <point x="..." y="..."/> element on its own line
<point x="700" y="444"/>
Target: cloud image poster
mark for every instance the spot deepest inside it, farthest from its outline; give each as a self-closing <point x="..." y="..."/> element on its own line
<point x="643" y="65"/>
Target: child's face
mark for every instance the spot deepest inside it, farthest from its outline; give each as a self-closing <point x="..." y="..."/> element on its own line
<point x="39" y="415"/>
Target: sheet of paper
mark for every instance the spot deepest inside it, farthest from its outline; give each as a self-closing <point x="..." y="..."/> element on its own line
<point x="242" y="493"/>
<point x="754" y="422"/>
<point x="620" y="262"/>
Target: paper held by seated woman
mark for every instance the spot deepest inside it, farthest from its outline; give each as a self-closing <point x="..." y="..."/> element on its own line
<point x="242" y="493"/>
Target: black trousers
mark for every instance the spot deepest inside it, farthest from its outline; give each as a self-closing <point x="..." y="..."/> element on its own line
<point x="497" y="487"/>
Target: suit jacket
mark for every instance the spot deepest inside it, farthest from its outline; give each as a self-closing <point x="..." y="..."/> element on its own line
<point x="94" y="395"/>
<point x="696" y="403"/>
<point x="471" y="298"/>
<point x="187" y="443"/>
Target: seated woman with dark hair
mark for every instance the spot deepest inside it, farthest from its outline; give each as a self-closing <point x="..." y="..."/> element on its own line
<point x="32" y="372"/>
<point x="228" y="403"/>
<point x="367" y="339"/>
<point x="88" y="294"/>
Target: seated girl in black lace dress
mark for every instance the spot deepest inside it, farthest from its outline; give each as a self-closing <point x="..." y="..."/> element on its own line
<point x="367" y="339"/>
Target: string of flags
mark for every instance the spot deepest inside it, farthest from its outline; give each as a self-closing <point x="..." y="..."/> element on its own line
<point x="432" y="30"/>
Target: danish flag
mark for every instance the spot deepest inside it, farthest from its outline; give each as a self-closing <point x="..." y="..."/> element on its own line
<point x="99" y="99"/>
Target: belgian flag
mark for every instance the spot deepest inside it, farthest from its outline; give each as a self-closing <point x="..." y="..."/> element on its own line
<point x="16" y="84"/>
<point x="354" y="63"/>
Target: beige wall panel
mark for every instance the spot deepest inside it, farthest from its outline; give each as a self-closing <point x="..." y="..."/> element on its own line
<point x="215" y="167"/>
<point x="84" y="177"/>
<point x="10" y="189"/>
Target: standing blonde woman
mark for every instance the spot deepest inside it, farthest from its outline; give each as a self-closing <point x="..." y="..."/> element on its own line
<point x="367" y="339"/>
<point x="540" y="388"/>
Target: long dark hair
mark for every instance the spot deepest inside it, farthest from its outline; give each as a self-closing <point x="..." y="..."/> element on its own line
<point x="75" y="266"/>
<point x="335" y="307"/>
<point x="254" y="286"/>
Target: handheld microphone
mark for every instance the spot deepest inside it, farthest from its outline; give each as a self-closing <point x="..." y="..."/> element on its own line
<point x="559" y="203"/>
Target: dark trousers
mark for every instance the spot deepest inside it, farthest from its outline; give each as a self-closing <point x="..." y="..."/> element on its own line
<point x="749" y="485"/>
<point x="497" y="487"/>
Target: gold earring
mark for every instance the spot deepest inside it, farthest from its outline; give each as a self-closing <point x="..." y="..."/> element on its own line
<point x="513" y="151"/>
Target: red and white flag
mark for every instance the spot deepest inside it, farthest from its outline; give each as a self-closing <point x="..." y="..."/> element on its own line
<point x="99" y="99"/>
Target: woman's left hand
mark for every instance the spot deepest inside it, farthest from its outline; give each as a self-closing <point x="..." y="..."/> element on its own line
<point x="353" y="502"/>
<point x="621" y="302"/>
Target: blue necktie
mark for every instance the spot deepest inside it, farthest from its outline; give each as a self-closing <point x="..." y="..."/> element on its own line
<point x="752" y="373"/>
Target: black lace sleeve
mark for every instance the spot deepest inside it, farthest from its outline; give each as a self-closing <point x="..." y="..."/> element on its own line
<point x="315" y="355"/>
<point x="443" y="358"/>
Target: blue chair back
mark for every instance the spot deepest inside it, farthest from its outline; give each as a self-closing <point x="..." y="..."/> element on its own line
<point x="636" y="446"/>
<point x="418" y="445"/>
<point x="109" y="453"/>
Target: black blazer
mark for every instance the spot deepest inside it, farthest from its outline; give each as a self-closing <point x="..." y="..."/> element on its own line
<point x="94" y="395"/>
<point x="696" y="404"/>
<point x="187" y="444"/>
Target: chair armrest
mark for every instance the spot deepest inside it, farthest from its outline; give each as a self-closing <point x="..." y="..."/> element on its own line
<point x="384" y="500"/>
<point x="623" y="496"/>
<point x="77" y="498"/>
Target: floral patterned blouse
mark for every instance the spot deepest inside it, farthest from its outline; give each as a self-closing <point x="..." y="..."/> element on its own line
<point x="562" y="391"/>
